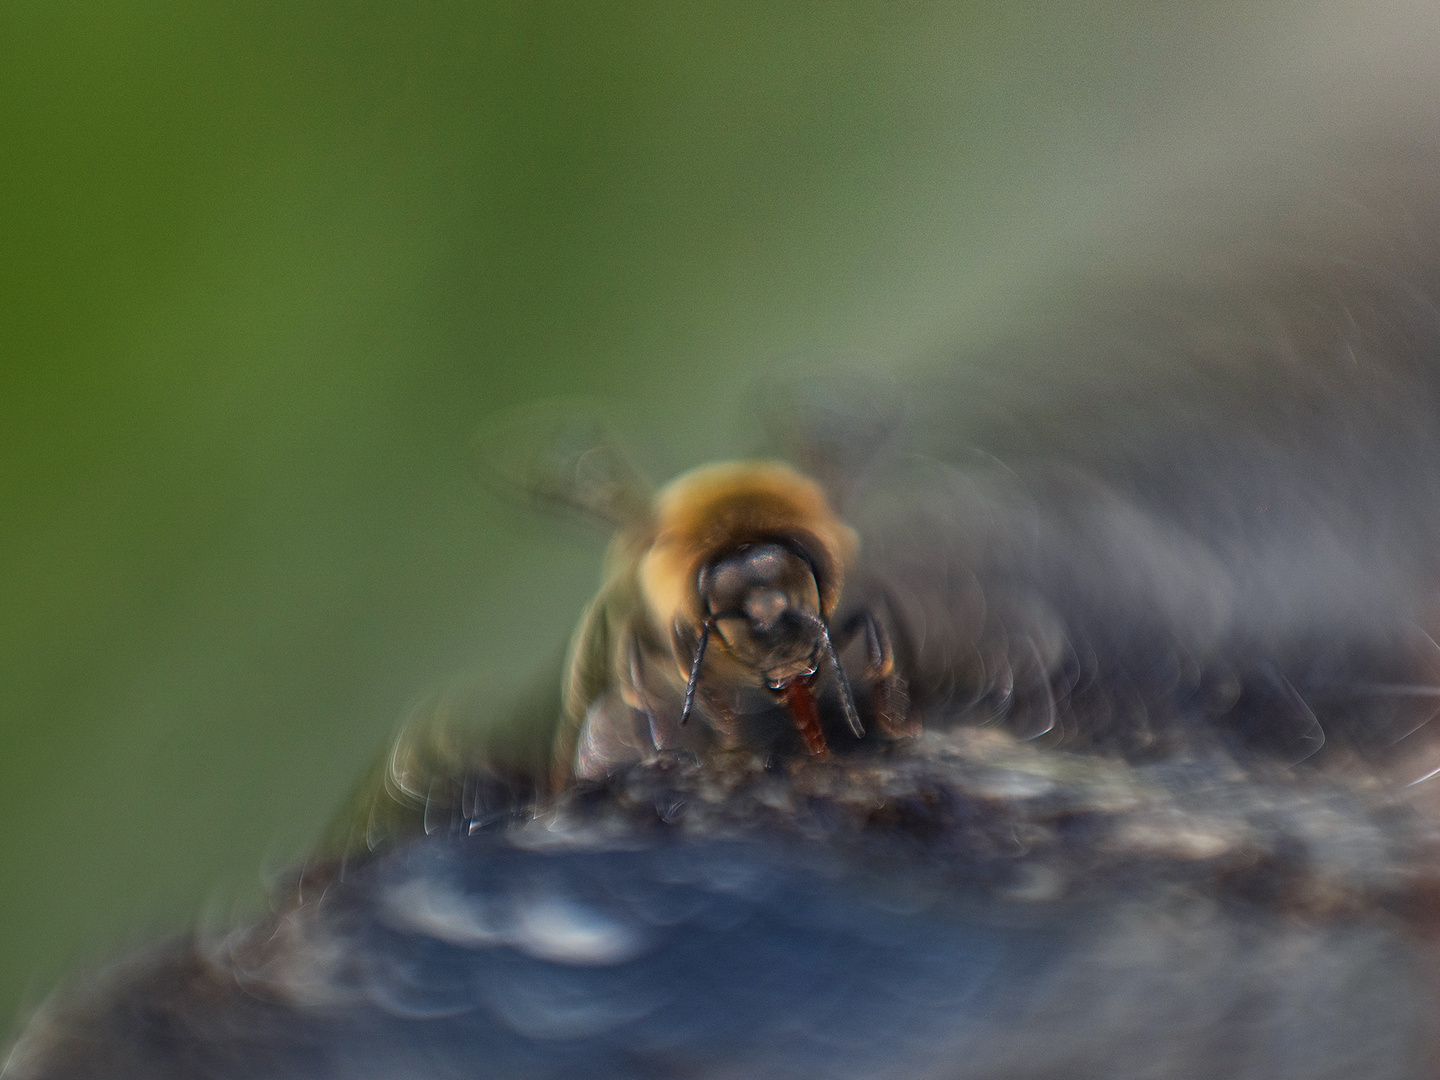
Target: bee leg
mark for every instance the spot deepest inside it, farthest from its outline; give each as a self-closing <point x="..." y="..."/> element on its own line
<point x="888" y="692"/>
<point x="891" y="697"/>
<point x="664" y="732"/>
<point x="613" y="735"/>
<point x="723" y="720"/>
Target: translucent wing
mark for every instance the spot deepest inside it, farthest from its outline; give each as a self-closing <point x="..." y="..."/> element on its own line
<point x="835" y="426"/>
<point x="562" y="453"/>
<point x="460" y="762"/>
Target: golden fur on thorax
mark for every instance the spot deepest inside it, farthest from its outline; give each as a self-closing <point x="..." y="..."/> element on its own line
<point x="721" y="506"/>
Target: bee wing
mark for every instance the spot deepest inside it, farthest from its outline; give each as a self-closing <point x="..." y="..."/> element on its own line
<point x="595" y="670"/>
<point x="834" y="427"/>
<point x="459" y="762"/>
<point x="588" y="666"/>
<point x="562" y="453"/>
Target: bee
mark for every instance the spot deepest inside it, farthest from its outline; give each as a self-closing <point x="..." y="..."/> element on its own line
<point x="717" y="604"/>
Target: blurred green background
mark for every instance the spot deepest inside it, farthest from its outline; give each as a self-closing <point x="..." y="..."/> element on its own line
<point x="266" y="268"/>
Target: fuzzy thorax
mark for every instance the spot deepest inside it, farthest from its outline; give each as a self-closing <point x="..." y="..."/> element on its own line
<point x="716" y="509"/>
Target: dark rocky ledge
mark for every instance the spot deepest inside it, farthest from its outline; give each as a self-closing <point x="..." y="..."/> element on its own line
<point x="964" y="905"/>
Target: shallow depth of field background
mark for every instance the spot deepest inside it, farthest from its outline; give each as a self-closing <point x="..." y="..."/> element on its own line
<point x="265" y="270"/>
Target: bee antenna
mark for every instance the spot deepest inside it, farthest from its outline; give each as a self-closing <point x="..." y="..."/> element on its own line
<point x="847" y="699"/>
<point x="693" y="684"/>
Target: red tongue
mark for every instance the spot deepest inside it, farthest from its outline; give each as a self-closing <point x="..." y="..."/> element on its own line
<point x="801" y="703"/>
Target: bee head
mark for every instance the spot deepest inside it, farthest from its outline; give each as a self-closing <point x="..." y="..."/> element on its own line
<point x="717" y="512"/>
<point x="751" y="552"/>
<point x="764" y="601"/>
